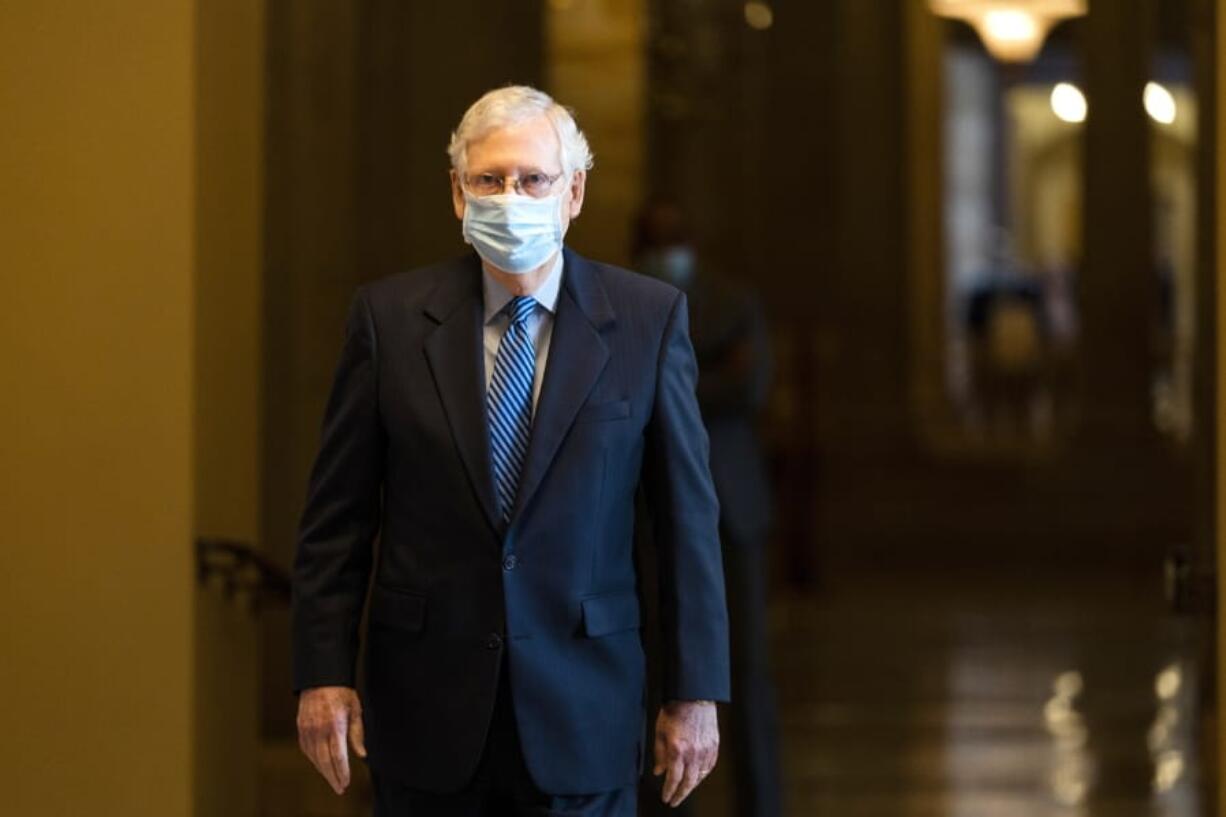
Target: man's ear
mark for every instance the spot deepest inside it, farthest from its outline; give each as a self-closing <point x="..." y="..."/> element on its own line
<point x="578" y="186"/>
<point x="457" y="195"/>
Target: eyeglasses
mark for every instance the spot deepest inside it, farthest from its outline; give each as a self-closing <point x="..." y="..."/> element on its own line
<point x="536" y="184"/>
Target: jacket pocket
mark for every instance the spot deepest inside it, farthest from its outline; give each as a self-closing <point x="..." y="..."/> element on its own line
<point x="614" y="410"/>
<point x="610" y="613"/>
<point x="398" y="609"/>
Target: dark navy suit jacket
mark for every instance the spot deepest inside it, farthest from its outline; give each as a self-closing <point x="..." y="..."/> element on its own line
<point x="404" y="456"/>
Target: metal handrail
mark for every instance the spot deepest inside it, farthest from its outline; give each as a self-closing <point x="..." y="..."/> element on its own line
<point x="1190" y="585"/>
<point x="243" y="571"/>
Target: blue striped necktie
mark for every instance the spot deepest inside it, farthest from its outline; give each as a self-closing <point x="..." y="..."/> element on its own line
<point x="509" y="403"/>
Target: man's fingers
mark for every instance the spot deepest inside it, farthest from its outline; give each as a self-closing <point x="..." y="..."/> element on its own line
<point x="319" y="751"/>
<point x="357" y="733"/>
<point x="688" y="781"/>
<point x="339" y="752"/>
<point x="676" y="772"/>
<point x="321" y="756"/>
<point x="661" y="755"/>
<point x="329" y="720"/>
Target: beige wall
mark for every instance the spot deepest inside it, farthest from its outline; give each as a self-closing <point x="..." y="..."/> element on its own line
<point x="596" y="64"/>
<point x="96" y="224"/>
<point x="130" y="206"/>
<point x="229" y="96"/>
<point x="229" y="247"/>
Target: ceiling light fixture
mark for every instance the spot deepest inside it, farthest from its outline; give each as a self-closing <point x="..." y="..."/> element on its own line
<point x="1011" y="30"/>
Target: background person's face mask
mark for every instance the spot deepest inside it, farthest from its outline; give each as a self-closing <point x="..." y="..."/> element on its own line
<point x="513" y="232"/>
<point x="674" y="263"/>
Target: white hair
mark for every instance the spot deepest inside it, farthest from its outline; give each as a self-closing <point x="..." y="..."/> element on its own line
<point x="511" y="105"/>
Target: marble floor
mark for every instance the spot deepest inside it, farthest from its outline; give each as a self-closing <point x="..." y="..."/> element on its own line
<point x="1008" y="694"/>
<point x="936" y="694"/>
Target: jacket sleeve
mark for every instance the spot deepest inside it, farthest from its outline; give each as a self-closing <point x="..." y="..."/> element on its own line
<point x="685" y="514"/>
<point x="341" y="516"/>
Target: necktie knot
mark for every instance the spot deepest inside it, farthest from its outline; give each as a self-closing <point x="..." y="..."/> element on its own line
<point x="520" y="308"/>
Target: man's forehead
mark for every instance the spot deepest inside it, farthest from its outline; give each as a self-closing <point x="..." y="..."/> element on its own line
<point x="529" y="142"/>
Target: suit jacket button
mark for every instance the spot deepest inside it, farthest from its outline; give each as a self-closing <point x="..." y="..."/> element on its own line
<point x="494" y="641"/>
<point x="510" y="562"/>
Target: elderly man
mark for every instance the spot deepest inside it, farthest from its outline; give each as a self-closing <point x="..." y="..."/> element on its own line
<point x="491" y="421"/>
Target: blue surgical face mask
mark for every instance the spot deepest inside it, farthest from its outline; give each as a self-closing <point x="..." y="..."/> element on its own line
<point x="674" y="264"/>
<point x="513" y="232"/>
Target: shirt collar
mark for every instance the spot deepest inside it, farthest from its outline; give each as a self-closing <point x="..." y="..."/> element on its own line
<point x="497" y="296"/>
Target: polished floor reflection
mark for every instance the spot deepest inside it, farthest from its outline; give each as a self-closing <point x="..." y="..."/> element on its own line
<point x="1011" y="694"/>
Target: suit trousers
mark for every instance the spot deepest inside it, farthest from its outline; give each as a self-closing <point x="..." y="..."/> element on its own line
<point x="502" y="785"/>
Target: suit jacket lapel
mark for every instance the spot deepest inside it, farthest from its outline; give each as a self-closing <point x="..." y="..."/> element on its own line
<point x="577" y="356"/>
<point x="455" y="353"/>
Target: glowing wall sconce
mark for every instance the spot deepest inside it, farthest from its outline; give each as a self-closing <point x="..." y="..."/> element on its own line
<point x="1011" y="30"/>
<point x="758" y="15"/>
<point x="1068" y="103"/>
<point x="1159" y="103"/>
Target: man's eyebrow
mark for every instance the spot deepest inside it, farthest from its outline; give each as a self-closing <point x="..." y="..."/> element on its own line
<point x="500" y="170"/>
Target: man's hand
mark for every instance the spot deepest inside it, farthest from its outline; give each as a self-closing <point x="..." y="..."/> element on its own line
<point x="687" y="746"/>
<point x="330" y="718"/>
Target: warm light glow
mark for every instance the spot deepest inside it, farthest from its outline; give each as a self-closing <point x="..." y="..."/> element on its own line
<point x="1012" y="35"/>
<point x="1068" y="103"/>
<point x="759" y="15"/>
<point x="1168" y="770"/>
<point x="1168" y="682"/>
<point x="1070" y="776"/>
<point x="1068" y="684"/>
<point x="1159" y="103"/>
<point x="1011" y="25"/>
<point x="1165" y="733"/>
<point x="1011" y="30"/>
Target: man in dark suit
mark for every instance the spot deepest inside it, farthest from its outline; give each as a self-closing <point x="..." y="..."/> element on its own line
<point x="490" y="422"/>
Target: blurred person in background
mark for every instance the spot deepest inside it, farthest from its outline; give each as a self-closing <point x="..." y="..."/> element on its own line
<point x="491" y="419"/>
<point x="1009" y="345"/>
<point x="729" y="332"/>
